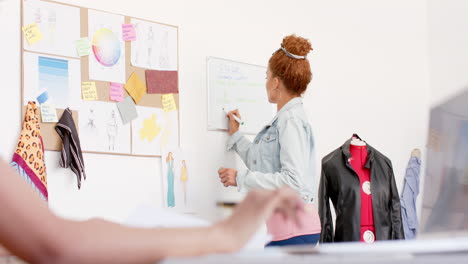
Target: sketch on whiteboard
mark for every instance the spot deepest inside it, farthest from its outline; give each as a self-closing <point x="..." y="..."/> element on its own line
<point x="156" y="48"/>
<point x="235" y="85"/>
<point x="59" y="25"/>
<point x="101" y="129"/>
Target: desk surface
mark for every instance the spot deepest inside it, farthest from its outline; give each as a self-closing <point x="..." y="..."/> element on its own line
<point x="387" y="252"/>
<point x="445" y="251"/>
<point x="328" y="259"/>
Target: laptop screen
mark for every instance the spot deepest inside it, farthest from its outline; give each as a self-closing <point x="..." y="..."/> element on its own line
<point x="445" y="195"/>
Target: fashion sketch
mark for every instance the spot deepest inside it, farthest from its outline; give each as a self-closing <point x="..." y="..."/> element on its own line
<point x="150" y="45"/>
<point x="164" y="52"/>
<point x="112" y="129"/>
<point x="52" y="22"/>
<point x="91" y="124"/>
<point x="136" y="55"/>
<point x="37" y="15"/>
<point x="183" y="180"/>
<point x="170" y="180"/>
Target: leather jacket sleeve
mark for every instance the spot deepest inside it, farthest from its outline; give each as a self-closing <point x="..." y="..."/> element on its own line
<point x="324" y="210"/>
<point x="395" y="207"/>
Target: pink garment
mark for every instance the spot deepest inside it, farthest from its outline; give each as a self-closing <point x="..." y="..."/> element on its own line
<point x="282" y="229"/>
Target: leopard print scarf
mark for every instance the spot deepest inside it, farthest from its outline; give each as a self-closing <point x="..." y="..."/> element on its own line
<point x="28" y="159"/>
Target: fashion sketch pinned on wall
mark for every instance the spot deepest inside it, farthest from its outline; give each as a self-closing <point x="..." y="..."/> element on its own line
<point x="107" y="59"/>
<point x="155" y="47"/>
<point x="101" y="128"/>
<point x="60" y="77"/>
<point x="153" y="130"/>
<point x="58" y="24"/>
<point x="176" y="179"/>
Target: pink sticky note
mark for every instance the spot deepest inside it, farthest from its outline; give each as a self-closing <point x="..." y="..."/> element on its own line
<point x="128" y="32"/>
<point x="116" y="92"/>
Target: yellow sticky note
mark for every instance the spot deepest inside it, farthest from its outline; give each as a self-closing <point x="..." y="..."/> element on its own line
<point x="88" y="91"/>
<point x="135" y="87"/>
<point x="168" y="102"/>
<point x="32" y="33"/>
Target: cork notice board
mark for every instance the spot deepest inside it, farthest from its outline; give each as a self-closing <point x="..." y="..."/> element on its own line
<point x="52" y="64"/>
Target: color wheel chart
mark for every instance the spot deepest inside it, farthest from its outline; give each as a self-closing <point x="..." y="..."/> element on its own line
<point x="107" y="58"/>
<point x="106" y="47"/>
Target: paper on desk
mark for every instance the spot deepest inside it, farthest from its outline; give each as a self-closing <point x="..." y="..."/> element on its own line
<point x="146" y="216"/>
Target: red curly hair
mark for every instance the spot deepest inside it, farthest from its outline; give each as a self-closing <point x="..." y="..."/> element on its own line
<point x="295" y="73"/>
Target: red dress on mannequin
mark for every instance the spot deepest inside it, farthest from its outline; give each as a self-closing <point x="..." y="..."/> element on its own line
<point x="358" y="161"/>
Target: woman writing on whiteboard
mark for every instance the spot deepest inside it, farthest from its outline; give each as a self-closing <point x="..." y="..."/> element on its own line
<point x="283" y="152"/>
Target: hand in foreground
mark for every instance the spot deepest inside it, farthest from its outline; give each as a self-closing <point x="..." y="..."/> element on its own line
<point x="257" y="206"/>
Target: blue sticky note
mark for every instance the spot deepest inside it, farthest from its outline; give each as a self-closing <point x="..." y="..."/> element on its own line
<point x="43" y="97"/>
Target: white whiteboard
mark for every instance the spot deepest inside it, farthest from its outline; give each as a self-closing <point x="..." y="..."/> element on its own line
<point x="236" y="85"/>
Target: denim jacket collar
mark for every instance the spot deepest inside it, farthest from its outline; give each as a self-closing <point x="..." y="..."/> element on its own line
<point x="293" y="102"/>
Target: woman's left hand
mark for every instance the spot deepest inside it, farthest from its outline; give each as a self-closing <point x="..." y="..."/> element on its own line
<point x="228" y="176"/>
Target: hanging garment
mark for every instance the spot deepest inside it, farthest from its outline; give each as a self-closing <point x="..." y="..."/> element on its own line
<point x="340" y="184"/>
<point x="408" y="198"/>
<point x="28" y="159"/>
<point x="358" y="161"/>
<point x="71" y="156"/>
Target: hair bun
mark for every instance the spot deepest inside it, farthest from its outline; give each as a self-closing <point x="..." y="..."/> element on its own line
<point x="297" y="45"/>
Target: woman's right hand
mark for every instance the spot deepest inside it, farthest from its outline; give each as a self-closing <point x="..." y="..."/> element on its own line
<point x="233" y="124"/>
<point x="253" y="211"/>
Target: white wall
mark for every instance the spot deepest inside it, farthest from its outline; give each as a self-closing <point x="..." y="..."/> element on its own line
<point x="448" y="52"/>
<point x="370" y="77"/>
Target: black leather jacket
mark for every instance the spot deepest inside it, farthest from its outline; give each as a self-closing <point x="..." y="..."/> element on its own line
<point x="340" y="183"/>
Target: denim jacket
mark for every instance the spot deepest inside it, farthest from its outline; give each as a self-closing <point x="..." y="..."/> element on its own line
<point x="408" y="198"/>
<point x="282" y="153"/>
